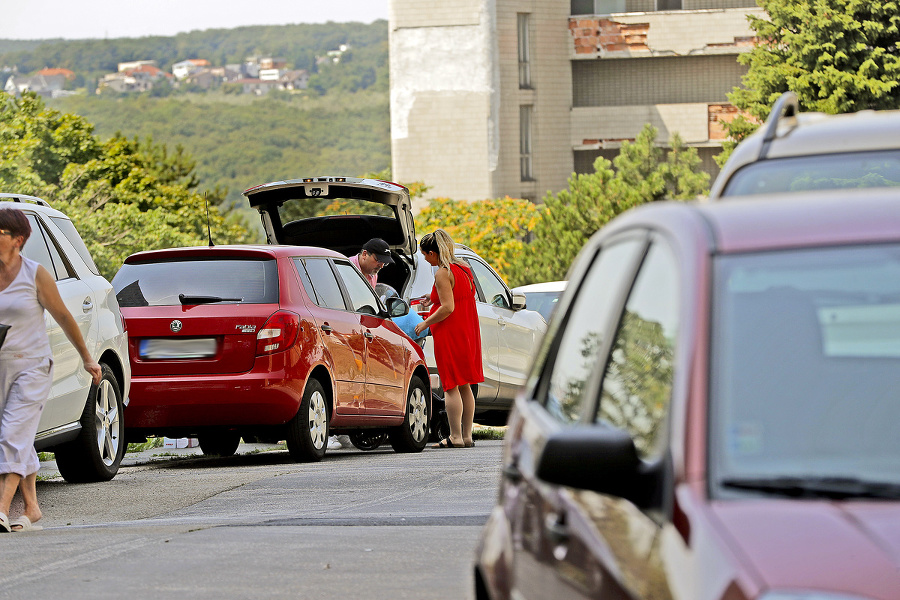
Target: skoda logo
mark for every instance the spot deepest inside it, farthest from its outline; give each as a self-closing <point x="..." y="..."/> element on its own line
<point x="175" y="326"/>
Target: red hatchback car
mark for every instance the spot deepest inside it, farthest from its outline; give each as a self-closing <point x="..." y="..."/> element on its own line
<point x="713" y="413"/>
<point x="277" y="342"/>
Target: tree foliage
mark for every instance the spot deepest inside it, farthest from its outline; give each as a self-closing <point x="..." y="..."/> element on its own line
<point x="837" y="55"/>
<point x="495" y="229"/>
<point x="642" y="172"/>
<point x="123" y="195"/>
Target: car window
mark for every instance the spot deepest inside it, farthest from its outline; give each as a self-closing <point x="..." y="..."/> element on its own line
<point x="327" y="292"/>
<point x="819" y="172"/>
<point x="42" y="248"/>
<point x="492" y="289"/>
<point x="231" y="280"/>
<point x="582" y="337"/>
<point x="638" y="380"/>
<point x="362" y="298"/>
<point x="68" y="229"/>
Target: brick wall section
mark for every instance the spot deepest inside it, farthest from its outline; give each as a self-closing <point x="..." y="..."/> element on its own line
<point x="591" y="35"/>
<point x="721" y="114"/>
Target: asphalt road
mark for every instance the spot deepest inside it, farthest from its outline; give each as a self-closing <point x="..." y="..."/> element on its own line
<point x="356" y="525"/>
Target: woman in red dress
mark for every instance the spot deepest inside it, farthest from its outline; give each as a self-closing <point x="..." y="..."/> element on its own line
<point x="453" y="320"/>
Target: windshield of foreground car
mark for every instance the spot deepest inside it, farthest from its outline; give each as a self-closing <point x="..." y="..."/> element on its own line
<point x="818" y="172"/>
<point x="805" y="378"/>
<point x="197" y="281"/>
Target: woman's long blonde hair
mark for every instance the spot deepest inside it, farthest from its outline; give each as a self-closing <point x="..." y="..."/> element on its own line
<point x="440" y="242"/>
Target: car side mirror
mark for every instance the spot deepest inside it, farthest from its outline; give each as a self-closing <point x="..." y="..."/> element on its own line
<point x="518" y="301"/>
<point x="397" y="307"/>
<point x="598" y="458"/>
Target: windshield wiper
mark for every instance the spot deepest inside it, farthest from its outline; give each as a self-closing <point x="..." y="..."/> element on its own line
<point x="837" y="488"/>
<point x="205" y="299"/>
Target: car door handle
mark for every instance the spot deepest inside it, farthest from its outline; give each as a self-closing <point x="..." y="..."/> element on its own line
<point x="368" y="335"/>
<point x="87" y="305"/>
<point x="557" y="530"/>
<point x="512" y="472"/>
<point x="326" y="328"/>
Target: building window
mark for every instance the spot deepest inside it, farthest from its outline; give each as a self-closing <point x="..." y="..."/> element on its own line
<point x="668" y="4"/>
<point x="525" y="143"/>
<point x="524" y="21"/>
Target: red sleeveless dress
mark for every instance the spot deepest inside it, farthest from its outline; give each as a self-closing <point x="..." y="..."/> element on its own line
<point x="457" y="339"/>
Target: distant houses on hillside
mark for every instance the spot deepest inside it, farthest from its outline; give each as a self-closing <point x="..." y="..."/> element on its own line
<point x="256" y="75"/>
<point x="48" y="83"/>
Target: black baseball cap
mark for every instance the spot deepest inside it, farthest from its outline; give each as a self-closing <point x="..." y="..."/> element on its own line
<point x="380" y="249"/>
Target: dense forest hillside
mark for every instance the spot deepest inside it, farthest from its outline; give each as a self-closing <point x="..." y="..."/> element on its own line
<point x="339" y="125"/>
<point x="241" y="141"/>
<point x="299" y="45"/>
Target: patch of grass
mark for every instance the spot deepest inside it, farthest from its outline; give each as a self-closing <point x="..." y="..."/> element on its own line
<point x="154" y="442"/>
<point x="45" y="456"/>
<point x="483" y="432"/>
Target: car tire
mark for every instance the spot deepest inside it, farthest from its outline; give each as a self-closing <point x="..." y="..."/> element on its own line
<point x="219" y="443"/>
<point x="307" y="432"/>
<point x="95" y="455"/>
<point x="412" y="435"/>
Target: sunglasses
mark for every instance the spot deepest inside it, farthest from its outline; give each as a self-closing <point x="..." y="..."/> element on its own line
<point x="6" y="232"/>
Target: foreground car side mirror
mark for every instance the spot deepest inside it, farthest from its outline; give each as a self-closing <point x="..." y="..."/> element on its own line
<point x="397" y="307"/>
<point x="518" y="301"/>
<point x="598" y="458"/>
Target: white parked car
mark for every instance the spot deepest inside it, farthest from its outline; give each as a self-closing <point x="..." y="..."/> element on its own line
<point x="542" y="297"/>
<point x="291" y="214"/>
<point x="82" y="424"/>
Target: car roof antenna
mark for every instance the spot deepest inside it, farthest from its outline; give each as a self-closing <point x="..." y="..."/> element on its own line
<point x="208" y="229"/>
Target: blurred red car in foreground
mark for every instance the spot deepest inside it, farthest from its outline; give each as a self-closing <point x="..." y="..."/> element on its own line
<point x="713" y="413"/>
<point x="277" y="342"/>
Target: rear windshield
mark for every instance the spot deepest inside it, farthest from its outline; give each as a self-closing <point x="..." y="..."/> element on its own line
<point x="231" y="280"/>
<point x="821" y="172"/>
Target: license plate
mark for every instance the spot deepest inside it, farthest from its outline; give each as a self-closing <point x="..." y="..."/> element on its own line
<point x="169" y="349"/>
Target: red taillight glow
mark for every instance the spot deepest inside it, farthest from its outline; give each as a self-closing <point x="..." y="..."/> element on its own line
<point x="278" y="334"/>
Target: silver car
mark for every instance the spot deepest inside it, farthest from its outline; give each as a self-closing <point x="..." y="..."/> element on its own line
<point x="82" y="424"/>
<point x="292" y="213"/>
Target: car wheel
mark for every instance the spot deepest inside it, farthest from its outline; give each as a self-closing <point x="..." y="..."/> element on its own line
<point x="219" y="443"/>
<point x="95" y="455"/>
<point x="368" y="440"/>
<point x="413" y="434"/>
<point x="307" y="432"/>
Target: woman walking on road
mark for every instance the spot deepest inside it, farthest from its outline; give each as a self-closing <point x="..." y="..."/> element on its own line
<point x="453" y="320"/>
<point x="26" y="365"/>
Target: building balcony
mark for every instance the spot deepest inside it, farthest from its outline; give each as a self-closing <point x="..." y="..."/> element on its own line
<point x="699" y="124"/>
<point x="664" y="33"/>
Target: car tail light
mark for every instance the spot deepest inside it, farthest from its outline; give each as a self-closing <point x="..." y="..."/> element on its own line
<point x="278" y="334"/>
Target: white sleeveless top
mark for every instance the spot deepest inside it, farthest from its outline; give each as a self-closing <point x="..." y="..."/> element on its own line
<point x="20" y="308"/>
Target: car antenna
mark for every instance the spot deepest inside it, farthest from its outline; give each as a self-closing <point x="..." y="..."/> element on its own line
<point x="208" y="229"/>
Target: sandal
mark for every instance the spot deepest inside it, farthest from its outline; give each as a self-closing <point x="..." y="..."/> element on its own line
<point x="445" y="443"/>
<point x="4" y="524"/>
<point x="470" y="444"/>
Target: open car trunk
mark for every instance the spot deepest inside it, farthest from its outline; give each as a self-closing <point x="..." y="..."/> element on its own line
<point x="341" y="214"/>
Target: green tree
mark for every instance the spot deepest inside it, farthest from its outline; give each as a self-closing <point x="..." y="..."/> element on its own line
<point x="837" y="55"/>
<point x="642" y="172"/>
<point x="495" y="229"/>
<point x="123" y="195"/>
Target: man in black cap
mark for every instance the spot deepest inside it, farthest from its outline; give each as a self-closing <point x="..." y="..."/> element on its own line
<point x="374" y="255"/>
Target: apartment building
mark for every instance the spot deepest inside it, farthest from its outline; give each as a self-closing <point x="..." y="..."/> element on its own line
<point x="491" y="98"/>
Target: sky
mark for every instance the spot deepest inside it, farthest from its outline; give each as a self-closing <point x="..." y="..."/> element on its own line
<point x="82" y="19"/>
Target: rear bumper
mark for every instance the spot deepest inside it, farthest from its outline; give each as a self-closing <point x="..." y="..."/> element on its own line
<point x="243" y="399"/>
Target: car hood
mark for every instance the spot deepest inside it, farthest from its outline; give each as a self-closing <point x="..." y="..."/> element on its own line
<point x="345" y="233"/>
<point x="852" y="547"/>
